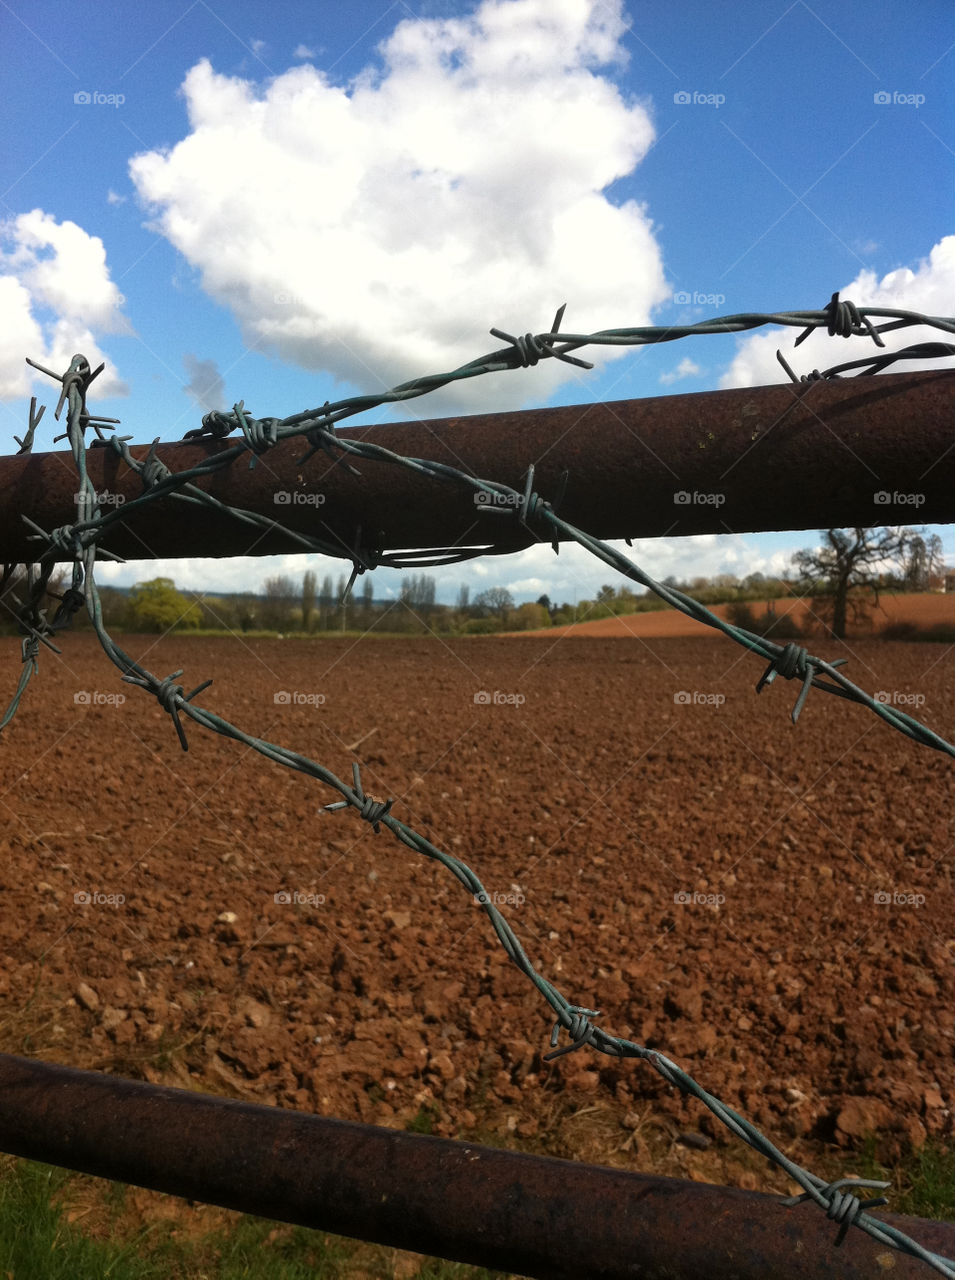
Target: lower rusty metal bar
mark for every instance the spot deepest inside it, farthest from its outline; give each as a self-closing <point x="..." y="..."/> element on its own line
<point x="778" y="457"/>
<point x="523" y="1214"/>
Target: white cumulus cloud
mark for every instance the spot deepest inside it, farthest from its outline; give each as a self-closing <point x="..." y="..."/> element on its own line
<point x="56" y="296"/>
<point x="928" y="289"/>
<point x="687" y="368"/>
<point x="376" y="230"/>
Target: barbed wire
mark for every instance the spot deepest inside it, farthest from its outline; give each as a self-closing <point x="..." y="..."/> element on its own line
<point x="80" y="542"/>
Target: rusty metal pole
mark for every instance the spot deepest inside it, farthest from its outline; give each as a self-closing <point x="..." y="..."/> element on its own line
<point x="527" y="1214"/>
<point x="778" y="457"/>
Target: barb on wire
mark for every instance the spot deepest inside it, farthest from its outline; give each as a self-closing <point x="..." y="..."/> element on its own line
<point x="370" y="808"/>
<point x="170" y="696"/>
<point x="531" y="349"/>
<point x="844" y="1209"/>
<point x="845" y="320"/>
<point x="82" y="542"/>
<point x="26" y="444"/>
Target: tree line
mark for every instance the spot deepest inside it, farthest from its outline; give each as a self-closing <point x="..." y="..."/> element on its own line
<point x="844" y="575"/>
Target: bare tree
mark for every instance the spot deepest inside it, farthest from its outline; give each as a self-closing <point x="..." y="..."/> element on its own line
<point x="924" y="563"/>
<point x="280" y="596"/>
<point x="495" y="600"/>
<point x="850" y="558"/>
<point x="326" y="600"/>
<point x="417" y="591"/>
<point x="309" y="582"/>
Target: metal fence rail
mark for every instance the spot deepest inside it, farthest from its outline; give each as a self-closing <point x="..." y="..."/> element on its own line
<point x="533" y="1215"/>
<point x="779" y="457"/>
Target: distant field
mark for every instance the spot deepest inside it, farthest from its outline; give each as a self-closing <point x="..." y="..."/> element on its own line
<point x="925" y="610"/>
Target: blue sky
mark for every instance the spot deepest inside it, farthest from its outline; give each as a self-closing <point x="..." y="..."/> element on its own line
<point x="290" y="203"/>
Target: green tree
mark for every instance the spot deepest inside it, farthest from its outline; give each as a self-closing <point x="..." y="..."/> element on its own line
<point x="157" y="606"/>
<point x="529" y="617"/>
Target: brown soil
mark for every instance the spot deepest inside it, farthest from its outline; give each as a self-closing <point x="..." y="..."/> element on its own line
<point x="705" y="874"/>
<point x="925" y="610"/>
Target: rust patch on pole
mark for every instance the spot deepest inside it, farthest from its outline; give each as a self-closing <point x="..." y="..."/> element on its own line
<point x="527" y="1214"/>
<point x="780" y="457"/>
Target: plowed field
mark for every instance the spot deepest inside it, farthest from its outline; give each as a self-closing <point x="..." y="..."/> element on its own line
<point x="771" y="906"/>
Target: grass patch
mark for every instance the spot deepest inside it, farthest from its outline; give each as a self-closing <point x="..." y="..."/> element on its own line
<point x="38" y="1240"/>
<point x="56" y="1225"/>
<point x="425" y="1120"/>
<point x="923" y="1183"/>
